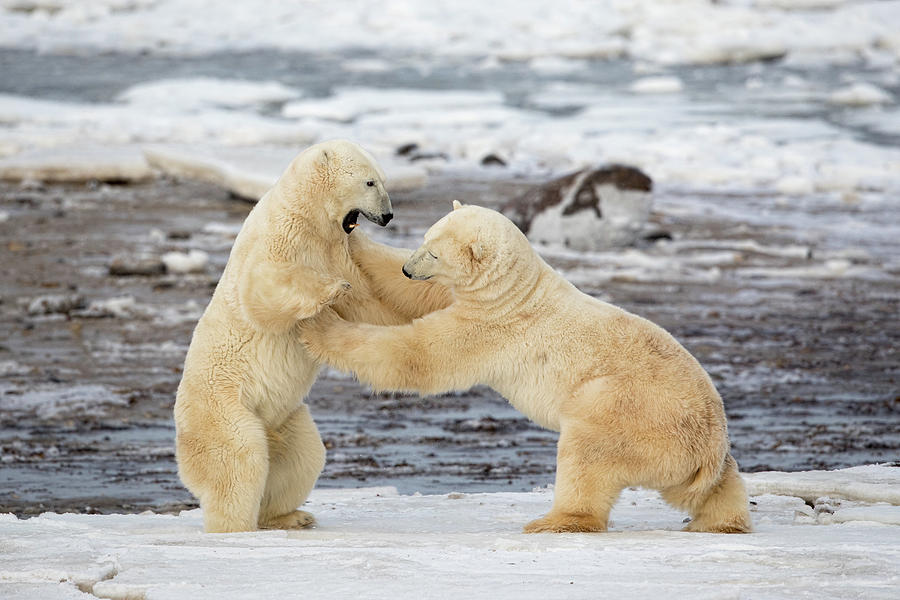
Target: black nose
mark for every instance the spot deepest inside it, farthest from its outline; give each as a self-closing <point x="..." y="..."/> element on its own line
<point x="405" y="272"/>
<point x="386" y="218"/>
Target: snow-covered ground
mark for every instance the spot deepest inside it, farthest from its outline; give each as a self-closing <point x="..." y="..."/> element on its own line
<point x="843" y="542"/>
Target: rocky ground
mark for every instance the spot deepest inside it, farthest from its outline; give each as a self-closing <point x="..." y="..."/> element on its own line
<point x="93" y="331"/>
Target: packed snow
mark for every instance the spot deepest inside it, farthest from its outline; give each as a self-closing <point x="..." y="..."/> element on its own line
<point x="374" y="543"/>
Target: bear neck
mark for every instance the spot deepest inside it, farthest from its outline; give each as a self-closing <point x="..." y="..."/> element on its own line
<point x="301" y="223"/>
<point x="506" y="286"/>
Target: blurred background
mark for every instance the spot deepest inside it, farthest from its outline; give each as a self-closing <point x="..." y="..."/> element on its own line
<point x="757" y="218"/>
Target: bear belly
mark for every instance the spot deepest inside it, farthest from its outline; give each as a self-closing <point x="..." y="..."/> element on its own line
<point x="530" y="399"/>
<point x="280" y="374"/>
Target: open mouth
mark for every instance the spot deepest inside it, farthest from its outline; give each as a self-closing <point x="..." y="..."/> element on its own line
<point x="349" y="223"/>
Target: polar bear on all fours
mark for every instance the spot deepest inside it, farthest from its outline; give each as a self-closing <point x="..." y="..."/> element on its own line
<point x="632" y="406"/>
<point x="246" y="444"/>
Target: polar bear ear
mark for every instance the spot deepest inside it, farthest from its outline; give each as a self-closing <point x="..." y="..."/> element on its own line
<point x="457" y="205"/>
<point x="476" y="251"/>
<point x="323" y="158"/>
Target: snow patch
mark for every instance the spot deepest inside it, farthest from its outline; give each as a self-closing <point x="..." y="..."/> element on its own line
<point x="457" y="545"/>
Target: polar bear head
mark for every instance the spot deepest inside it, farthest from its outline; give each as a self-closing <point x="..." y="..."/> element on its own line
<point x="467" y="246"/>
<point x="345" y="181"/>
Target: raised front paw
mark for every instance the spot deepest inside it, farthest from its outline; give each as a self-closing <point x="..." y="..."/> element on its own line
<point x="335" y="291"/>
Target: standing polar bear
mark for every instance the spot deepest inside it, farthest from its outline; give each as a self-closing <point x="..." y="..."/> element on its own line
<point x="246" y="444"/>
<point x="632" y="406"/>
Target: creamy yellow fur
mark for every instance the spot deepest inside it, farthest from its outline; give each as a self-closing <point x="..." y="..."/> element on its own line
<point x="632" y="406"/>
<point x="246" y="444"/>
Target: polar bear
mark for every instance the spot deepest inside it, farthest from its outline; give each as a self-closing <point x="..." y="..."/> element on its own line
<point x="246" y="445"/>
<point x="632" y="406"/>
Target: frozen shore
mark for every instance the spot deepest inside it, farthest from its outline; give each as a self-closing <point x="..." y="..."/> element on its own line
<point x="375" y="543"/>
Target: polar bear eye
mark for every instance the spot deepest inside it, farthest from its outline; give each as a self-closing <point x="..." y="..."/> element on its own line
<point x="431" y="254"/>
<point x="370" y="183"/>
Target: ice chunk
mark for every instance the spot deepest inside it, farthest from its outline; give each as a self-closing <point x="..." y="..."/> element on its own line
<point x="794" y="185"/>
<point x="860" y="94"/>
<point x="657" y="85"/>
<point x="346" y="104"/>
<point x="194" y="261"/>
<point x="871" y="483"/>
<point x="881" y="513"/>
<point x="55" y="304"/>
<point x="120" y="307"/>
<point x="199" y="92"/>
<point x="77" y="164"/>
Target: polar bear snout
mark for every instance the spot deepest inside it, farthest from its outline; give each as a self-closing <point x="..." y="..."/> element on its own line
<point x="378" y="218"/>
<point x="420" y="265"/>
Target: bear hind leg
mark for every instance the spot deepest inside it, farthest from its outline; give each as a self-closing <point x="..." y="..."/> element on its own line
<point x="722" y="508"/>
<point x="296" y="457"/>
<point x="225" y="466"/>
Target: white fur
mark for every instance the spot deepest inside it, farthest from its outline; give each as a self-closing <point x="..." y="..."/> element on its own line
<point x="246" y="444"/>
<point x="632" y="406"/>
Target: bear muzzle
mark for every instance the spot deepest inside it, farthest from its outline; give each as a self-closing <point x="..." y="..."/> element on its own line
<point x="349" y="223"/>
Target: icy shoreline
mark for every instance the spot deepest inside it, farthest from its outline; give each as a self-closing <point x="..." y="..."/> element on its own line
<point x="374" y="543"/>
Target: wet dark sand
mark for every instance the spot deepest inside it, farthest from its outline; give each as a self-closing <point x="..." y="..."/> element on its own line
<point x="807" y="369"/>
